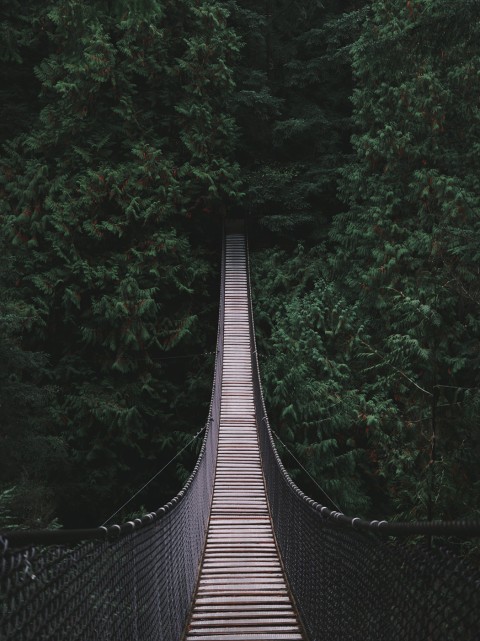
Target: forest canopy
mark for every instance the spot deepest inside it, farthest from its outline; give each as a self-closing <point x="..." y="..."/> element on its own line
<point x="348" y="135"/>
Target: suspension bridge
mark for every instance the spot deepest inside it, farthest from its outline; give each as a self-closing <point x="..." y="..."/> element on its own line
<point x="240" y="554"/>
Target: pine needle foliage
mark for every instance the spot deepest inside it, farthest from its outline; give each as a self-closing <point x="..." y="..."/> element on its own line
<point x="106" y="201"/>
<point x="292" y="106"/>
<point x="371" y="342"/>
<point x="32" y="458"/>
<point x="309" y="344"/>
<point x="348" y="133"/>
<point x="407" y="243"/>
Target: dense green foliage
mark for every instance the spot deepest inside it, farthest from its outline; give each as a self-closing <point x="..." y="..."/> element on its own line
<point x="410" y="242"/>
<point x="389" y="310"/>
<point x="30" y="455"/>
<point x="108" y="202"/>
<point x="292" y="104"/>
<point x="349" y="135"/>
<point x="311" y="370"/>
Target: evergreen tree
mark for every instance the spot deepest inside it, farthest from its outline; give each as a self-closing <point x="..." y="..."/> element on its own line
<point x="407" y="246"/>
<point x="128" y="161"/>
<point x="21" y="44"/>
<point x="30" y="458"/>
<point x="293" y="109"/>
<point x="389" y="328"/>
<point x="311" y="365"/>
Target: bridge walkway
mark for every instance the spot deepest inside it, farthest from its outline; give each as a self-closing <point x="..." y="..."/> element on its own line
<point x="242" y="593"/>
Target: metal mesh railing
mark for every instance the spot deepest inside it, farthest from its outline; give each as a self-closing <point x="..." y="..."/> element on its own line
<point x="133" y="582"/>
<point x="352" y="582"/>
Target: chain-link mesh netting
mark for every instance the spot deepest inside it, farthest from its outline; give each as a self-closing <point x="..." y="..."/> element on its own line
<point x="350" y="582"/>
<point x="136" y="587"/>
<point x="351" y="585"/>
<point x="133" y="582"/>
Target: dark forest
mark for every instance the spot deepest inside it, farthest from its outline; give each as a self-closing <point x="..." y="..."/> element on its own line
<point x="347" y="134"/>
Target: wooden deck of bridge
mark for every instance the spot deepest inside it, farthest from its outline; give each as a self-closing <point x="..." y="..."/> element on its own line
<point x="241" y="594"/>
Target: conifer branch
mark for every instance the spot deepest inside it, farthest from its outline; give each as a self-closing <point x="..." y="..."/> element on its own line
<point x="397" y="369"/>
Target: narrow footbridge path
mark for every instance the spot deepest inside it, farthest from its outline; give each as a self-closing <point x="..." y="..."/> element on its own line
<point x="240" y="553"/>
<point x="242" y="594"/>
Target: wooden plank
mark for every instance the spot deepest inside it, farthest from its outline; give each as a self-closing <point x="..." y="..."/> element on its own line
<point x="260" y="589"/>
<point x="246" y="618"/>
<point x="253" y="628"/>
<point x="249" y="636"/>
<point x="243" y="609"/>
<point x="241" y="599"/>
<point x="245" y="614"/>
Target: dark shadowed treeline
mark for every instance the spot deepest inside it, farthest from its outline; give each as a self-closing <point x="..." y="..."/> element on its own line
<point x="348" y="133"/>
<point x="111" y="179"/>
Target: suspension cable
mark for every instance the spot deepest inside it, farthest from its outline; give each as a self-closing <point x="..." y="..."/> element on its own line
<point x="306" y="471"/>
<point x="194" y="438"/>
